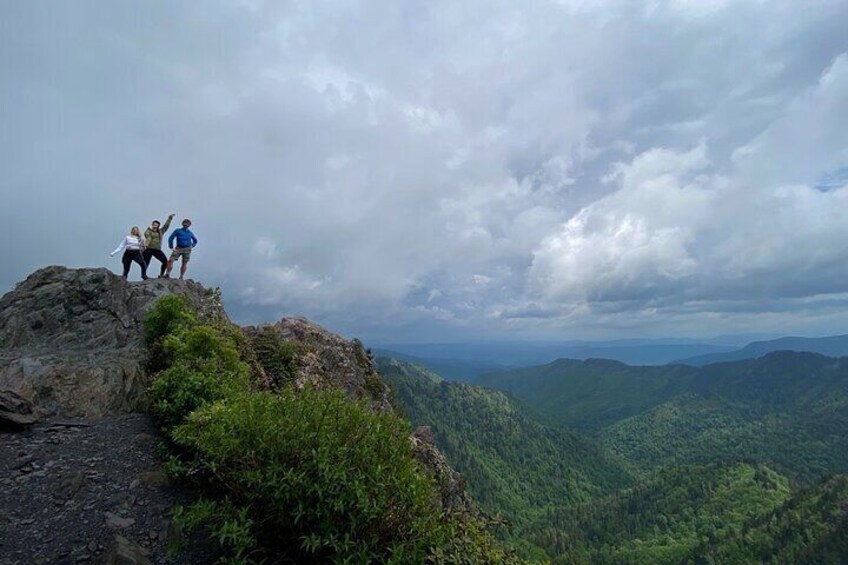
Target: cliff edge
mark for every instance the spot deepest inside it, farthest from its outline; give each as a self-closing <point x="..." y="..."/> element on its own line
<point x="71" y="340"/>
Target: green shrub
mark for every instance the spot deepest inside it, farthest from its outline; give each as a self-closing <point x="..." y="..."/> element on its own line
<point x="203" y="348"/>
<point x="277" y="356"/>
<point x="170" y="314"/>
<point x="307" y="475"/>
<point x="324" y="476"/>
<point x="228" y="525"/>
<point x="181" y="389"/>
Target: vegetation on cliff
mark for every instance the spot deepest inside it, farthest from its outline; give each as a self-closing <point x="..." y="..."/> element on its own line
<point x="305" y="473"/>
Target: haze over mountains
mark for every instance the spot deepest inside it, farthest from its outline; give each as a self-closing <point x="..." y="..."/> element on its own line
<point x="469" y="361"/>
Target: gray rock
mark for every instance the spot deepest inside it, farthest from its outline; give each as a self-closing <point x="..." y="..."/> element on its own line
<point x="153" y="479"/>
<point x="453" y="496"/>
<point x="117" y="522"/>
<point x="125" y="552"/>
<point x="71" y="340"/>
<point x="328" y="359"/>
<point x="15" y="410"/>
<point x="72" y="484"/>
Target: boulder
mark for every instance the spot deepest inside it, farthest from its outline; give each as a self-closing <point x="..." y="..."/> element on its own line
<point x="328" y="359"/>
<point x="71" y="340"/>
<point x="15" y="411"/>
<point x="125" y="552"/>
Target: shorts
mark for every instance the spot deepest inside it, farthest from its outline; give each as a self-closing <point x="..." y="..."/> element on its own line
<point x="184" y="252"/>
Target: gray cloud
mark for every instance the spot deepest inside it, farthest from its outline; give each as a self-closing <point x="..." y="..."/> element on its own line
<point x="439" y="170"/>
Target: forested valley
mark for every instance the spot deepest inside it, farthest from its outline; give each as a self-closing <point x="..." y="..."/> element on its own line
<point x="599" y="462"/>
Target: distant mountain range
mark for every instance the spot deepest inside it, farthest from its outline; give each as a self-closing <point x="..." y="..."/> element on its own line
<point x="469" y="361"/>
<point x="833" y="346"/>
<point x="466" y="362"/>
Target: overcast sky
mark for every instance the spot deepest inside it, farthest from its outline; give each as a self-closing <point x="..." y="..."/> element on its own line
<point x="439" y="171"/>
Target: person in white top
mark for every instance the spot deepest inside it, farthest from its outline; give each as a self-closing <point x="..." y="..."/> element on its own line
<point x="133" y="246"/>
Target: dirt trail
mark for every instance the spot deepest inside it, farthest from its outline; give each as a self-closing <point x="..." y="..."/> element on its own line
<point x="89" y="492"/>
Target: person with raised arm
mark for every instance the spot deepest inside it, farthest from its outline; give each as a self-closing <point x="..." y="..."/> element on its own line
<point x="153" y="244"/>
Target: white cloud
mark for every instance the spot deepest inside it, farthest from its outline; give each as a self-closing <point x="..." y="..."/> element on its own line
<point x="423" y="168"/>
<point x="676" y="233"/>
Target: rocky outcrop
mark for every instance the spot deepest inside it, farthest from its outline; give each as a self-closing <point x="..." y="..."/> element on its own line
<point x="453" y="497"/>
<point x="15" y="410"/>
<point x="328" y="359"/>
<point x="71" y="340"/>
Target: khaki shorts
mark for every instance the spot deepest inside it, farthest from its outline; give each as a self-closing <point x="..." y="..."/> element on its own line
<point x="184" y="252"/>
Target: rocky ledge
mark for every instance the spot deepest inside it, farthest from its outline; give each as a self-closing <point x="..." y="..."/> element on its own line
<point x="71" y="340"/>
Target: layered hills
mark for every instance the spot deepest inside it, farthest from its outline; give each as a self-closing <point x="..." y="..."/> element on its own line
<point x="514" y="465"/>
<point x="722" y="464"/>
<point x="787" y="409"/>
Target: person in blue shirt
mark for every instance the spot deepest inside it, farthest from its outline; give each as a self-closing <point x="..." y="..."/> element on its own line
<point x="185" y="241"/>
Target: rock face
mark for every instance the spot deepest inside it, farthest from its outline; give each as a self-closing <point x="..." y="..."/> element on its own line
<point x="15" y="410"/>
<point x="71" y="339"/>
<point x="453" y="498"/>
<point x="329" y="359"/>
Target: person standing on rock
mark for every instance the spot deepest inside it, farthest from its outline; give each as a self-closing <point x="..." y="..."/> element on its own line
<point x="153" y="244"/>
<point x="185" y="243"/>
<point x="133" y="245"/>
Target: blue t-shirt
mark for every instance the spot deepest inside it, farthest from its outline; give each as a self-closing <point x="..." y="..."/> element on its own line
<point x="184" y="238"/>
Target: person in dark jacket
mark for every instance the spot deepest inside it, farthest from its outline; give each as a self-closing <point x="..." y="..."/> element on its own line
<point x="185" y="242"/>
<point x="153" y="244"/>
<point x="132" y="245"/>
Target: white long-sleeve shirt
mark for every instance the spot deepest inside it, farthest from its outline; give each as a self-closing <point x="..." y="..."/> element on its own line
<point x="131" y="243"/>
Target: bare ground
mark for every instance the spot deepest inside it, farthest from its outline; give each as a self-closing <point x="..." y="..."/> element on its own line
<point x="89" y="492"/>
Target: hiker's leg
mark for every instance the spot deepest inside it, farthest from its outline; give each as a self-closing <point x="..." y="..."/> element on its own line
<point x="183" y="267"/>
<point x="139" y="258"/>
<point x="170" y="266"/>
<point x="162" y="259"/>
<point x="126" y="259"/>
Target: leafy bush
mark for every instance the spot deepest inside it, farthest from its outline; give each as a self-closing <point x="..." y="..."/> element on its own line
<point x="277" y="357"/>
<point x="203" y="348"/>
<point x="228" y="525"/>
<point x="204" y="367"/>
<point x="320" y="472"/>
<point x="292" y="474"/>
<point x="181" y="389"/>
<point x="169" y="315"/>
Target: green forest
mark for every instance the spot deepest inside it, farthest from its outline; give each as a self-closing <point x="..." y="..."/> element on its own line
<point x="599" y="462"/>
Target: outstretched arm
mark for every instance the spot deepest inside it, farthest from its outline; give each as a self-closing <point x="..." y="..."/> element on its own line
<point x="120" y="247"/>
<point x="167" y="224"/>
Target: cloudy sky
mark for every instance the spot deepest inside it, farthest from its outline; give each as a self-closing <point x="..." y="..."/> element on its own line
<point x="438" y="171"/>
